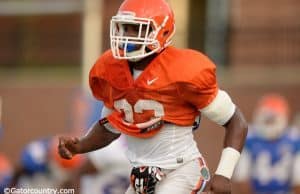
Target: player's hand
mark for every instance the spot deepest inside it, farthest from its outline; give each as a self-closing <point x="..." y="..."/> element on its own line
<point x="68" y="147"/>
<point x="218" y="185"/>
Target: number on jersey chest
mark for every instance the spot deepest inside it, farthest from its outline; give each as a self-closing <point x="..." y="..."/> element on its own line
<point x="141" y="111"/>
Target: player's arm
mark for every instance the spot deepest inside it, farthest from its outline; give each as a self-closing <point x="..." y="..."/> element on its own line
<point x="97" y="137"/>
<point x="224" y="112"/>
<point x="236" y="131"/>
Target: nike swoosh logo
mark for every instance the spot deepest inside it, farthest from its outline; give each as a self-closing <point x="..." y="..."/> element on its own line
<point x="150" y="82"/>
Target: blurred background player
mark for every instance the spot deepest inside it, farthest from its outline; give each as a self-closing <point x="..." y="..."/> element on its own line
<point x="270" y="161"/>
<point x="41" y="167"/>
<point x="99" y="172"/>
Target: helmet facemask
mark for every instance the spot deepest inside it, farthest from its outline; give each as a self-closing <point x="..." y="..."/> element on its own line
<point x="270" y="124"/>
<point x="139" y="46"/>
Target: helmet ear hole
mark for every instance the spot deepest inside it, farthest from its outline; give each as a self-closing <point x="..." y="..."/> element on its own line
<point x="151" y="28"/>
<point x="166" y="33"/>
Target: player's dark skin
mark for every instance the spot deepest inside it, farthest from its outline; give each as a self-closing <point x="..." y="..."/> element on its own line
<point x="98" y="136"/>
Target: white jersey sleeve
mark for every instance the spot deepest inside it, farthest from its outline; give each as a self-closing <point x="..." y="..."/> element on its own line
<point x="220" y="110"/>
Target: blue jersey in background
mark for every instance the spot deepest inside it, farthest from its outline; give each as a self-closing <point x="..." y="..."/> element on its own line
<point x="272" y="162"/>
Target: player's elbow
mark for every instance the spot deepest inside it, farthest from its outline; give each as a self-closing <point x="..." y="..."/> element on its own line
<point x="236" y="129"/>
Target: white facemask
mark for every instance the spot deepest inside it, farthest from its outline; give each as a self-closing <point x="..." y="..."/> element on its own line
<point x="146" y="36"/>
<point x="270" y="125"/>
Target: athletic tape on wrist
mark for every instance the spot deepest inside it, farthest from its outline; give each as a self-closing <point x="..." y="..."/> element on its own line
<point x="228" y="161"/>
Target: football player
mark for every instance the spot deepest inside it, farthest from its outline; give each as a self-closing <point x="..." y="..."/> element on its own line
<point x="152" y="93"/>
<point x="270" y="160"/>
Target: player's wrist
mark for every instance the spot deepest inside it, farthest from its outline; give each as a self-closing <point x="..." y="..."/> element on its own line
<point x="82" y="146"/>
<point x="228" y="161"/>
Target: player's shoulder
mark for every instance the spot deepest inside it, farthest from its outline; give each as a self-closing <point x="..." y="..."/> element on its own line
<point x="188" y="58"/>
<point x="187" y="65"/>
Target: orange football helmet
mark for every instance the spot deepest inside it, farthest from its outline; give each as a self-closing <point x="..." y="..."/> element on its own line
<point x="155" y="18"/>
<point x="271" y="116"/>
